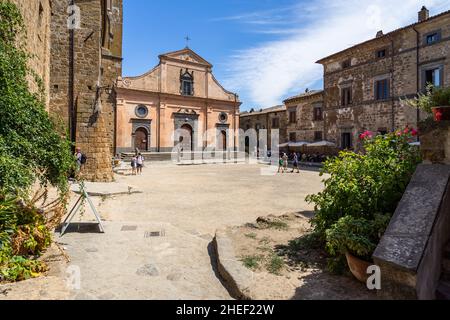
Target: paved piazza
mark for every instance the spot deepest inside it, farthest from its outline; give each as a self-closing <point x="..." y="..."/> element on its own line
<point x="186" y="205"/>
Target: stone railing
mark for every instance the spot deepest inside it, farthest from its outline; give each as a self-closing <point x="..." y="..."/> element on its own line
<point x="410" y="252"/>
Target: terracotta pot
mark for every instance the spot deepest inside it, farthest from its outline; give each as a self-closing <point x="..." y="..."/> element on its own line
<point x="358" y="267"/>
<point x="441" y="113"/>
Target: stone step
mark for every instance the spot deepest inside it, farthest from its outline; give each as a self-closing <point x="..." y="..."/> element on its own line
<point x="443" y="290"/>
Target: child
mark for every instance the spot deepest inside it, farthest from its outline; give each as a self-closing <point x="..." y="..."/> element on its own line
<point x="134" y="166"/>
<point x="281" y="165"/>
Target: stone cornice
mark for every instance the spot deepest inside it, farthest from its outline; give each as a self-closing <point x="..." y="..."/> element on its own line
<point x="175" y="96"/>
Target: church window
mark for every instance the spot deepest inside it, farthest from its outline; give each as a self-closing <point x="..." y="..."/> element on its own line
<point x="187" y="84"/>
<point x="141" y="111"/>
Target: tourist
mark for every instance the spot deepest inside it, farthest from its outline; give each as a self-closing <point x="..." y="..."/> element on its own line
<point x="295" y="164"/>
<point x="134" y="166"/>
<point x="285" y="162"/>
<point x="140" y="163"/>
<point x="81" y="160"/>
<point x="280" y="165"/>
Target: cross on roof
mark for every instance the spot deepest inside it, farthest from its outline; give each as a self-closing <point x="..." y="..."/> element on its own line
<point x="187" y="41"/>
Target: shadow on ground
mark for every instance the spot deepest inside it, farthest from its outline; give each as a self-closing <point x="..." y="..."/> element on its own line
<point x="81" y="227"/>
<point x="213" y="257"/>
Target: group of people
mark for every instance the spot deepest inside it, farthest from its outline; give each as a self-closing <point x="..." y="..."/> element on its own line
<point x="284" y="163"/>
<point x="137" y="164"/>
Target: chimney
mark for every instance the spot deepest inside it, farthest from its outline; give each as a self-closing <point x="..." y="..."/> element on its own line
<point x="424" y="14"/>
<point x="380" y="33"/>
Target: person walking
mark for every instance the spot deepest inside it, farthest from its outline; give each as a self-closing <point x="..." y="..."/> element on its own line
<point x="280" y="165"/>
<point x="80" y="160"/>
<point x="295" y="164"/>
<point x="134" y="166"/>
<point x="140" y="163"/>
<point x="285" y="162"/>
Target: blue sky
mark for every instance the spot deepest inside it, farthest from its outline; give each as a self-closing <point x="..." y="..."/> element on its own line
<point x="265" y="50"/>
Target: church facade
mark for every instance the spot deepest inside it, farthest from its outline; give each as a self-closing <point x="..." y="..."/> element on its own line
<point x="179" y="95"/>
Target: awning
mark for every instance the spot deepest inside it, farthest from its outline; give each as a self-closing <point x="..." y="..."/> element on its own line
<point x="322" y="144"/>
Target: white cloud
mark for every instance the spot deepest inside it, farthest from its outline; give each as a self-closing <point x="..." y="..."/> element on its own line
<point x="265" y="74"/>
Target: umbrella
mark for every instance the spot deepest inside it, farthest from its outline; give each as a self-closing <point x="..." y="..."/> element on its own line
<point x="284" y="145"/>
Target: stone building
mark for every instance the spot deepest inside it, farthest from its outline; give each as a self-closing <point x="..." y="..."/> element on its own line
<point x="85" y="64"/>
<point x="179" y="93"/>
<point x="79" y="68"/>
<point x="364" y="85"/>
<point x="305" y="117"/>
<point x="37" y="16"/>
<point x="266" y="119"/>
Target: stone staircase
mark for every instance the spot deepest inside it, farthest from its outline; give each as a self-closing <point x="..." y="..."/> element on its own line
<point x="443" y="289"/>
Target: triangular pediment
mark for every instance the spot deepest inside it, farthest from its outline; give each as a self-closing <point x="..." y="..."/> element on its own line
<point x="186" y="55"/>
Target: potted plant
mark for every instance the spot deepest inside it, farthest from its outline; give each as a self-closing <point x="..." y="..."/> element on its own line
<point x="434" y="101"/>
<point x="357" y="239"/>
<point x="441" y="104"/>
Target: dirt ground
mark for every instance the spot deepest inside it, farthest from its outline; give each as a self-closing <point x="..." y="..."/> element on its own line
<point x="284" y="268"/>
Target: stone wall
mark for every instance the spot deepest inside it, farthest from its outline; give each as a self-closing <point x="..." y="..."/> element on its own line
<point x="306" y="125"/>
<point x="83" y="75"/>
<point x="37" y="16"/>
<point x="403" y="66"/>
<point x="264" y="120"/>
<point x="410" y="252"/>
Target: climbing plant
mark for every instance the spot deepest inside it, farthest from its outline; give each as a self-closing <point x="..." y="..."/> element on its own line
<point x="32" y="148"/>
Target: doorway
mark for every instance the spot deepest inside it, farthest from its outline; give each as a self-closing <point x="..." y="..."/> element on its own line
<point x="141" y="139"/>
<point x="187" y="144"/>
<point x="347" y="141"/>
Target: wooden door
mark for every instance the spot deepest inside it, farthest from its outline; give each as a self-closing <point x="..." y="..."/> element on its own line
<point x="141" y="139"/>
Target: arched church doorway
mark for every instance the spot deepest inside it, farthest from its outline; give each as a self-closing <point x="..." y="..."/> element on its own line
<point x="223" y="135"/>
<point x="187" y="143"/>
<point x="141" y="139"/>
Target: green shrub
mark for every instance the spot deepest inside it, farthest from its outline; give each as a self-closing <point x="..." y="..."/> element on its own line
<point x="363" y="191"/>
<point x="358" y="236"/>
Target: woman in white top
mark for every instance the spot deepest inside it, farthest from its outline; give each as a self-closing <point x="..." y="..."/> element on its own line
<point x="140" y="163"/>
